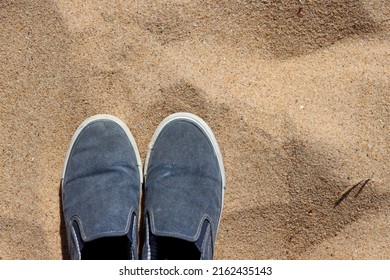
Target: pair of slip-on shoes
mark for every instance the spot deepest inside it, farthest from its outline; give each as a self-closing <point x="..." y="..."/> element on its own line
<point x="184" y="183"/>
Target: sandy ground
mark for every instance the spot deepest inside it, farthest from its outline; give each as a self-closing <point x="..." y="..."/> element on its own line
<point x="296" y="92"/>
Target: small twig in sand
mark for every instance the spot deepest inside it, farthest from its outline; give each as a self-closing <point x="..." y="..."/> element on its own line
<point x="361" y="188"/>
<point x="346" y="192"/>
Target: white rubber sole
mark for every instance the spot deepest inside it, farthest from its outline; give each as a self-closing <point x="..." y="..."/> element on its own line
<point x="117" y="121"/>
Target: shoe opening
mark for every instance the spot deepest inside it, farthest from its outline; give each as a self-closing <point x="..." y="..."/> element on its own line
<point x="168" y="248"/>
<point x="107" y="248"/>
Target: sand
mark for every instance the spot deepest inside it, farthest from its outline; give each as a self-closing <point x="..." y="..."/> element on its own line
<point x="296" y="92"/>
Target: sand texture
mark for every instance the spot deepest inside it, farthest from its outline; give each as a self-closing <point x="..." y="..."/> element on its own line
<point x="297" y="94"/>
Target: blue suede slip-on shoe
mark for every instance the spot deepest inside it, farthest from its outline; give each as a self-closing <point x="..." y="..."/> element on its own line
<point x="101" y="185"/>
<point x="184" y="189"/>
